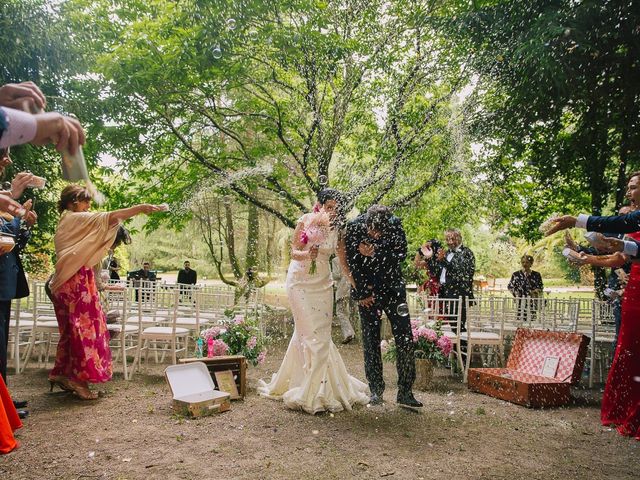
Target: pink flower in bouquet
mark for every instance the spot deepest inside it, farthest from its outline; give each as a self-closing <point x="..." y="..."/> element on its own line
<point x="316" y="232"/>
<point x="415" y="324"/>
<point x="261" y="357"/>
<point x="316" y="207"/>
<point x="414" y="332"/>
<point x="445" y="345"/>
<point x="252" y="342"/>
<point x="238" y="319"/>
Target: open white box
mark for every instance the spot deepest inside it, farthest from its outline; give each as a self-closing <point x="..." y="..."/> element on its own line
<point x="194" y="392"/>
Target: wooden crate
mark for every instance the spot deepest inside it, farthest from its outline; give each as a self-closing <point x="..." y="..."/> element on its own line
<point x="236" y="363"/>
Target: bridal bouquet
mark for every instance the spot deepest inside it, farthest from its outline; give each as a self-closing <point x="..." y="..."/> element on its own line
<point x="428" y="343"/>
<point x="236" y="335"/>
<point x="316" y="232"/>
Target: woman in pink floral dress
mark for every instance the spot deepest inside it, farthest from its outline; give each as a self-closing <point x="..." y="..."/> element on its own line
<point x="81" y="241"/>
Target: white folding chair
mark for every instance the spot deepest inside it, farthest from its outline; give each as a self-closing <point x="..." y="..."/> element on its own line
<point x="603" y="335"/>
<point x="484" y="330"/>
<point x="45" y="332"/>
<point x="123" y="335"/>
<point x="447" y="311"/>
<point x="169" y="337"/>
<point x="20" y="330"/>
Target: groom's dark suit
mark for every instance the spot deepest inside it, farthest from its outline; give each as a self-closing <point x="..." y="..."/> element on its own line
<point x="380" y="275"/>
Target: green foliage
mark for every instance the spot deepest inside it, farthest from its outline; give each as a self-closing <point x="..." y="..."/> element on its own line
<point x="262" y="100"/>
<point x="557" y="103"/>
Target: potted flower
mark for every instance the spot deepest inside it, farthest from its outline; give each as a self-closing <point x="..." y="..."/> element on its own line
<point x="431" y="347"/>
<point x="235" y="335"/>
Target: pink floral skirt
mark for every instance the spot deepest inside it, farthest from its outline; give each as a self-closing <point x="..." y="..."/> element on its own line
<point x="83" y="350"/>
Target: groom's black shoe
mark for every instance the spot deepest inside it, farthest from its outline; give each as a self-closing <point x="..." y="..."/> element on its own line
<point x="20" y="403"/>
<point x="407" y="400"/>
<point x="375" y="399"/>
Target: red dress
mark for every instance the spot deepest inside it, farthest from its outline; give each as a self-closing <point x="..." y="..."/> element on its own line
<point x="621" y="401"/>
<point x="9" y="420"/>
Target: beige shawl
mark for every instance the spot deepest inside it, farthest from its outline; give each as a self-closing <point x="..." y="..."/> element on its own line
<point x="82" y="239"/>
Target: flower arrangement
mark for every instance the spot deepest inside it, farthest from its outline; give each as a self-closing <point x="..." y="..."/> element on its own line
<point x="315" y="232"/>
<point x="428" y="343"/>
<point x="235" y="335"/>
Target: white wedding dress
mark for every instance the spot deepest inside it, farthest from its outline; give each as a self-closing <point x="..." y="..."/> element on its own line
<point x="312" y="376"/>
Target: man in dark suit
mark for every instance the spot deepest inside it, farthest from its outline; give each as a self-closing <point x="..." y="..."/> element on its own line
<point x="13" y="283"/>
<point x="186" y="276"/>
<point x="456" y="267"/>
<point x="371" y="252"/>
<point x="524" y="284"/>
<point x="145" y="274"/>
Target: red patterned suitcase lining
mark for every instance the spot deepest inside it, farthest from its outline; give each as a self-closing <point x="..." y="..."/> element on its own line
<point x="531" y="347"/>
<point x="519" y="376"/>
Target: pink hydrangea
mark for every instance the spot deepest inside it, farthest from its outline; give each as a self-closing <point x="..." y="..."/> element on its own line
<point x="219" y="347"/>
<point x="252" y="342"/>
<point x="445" y="345"/>
<point x="414" y="332"/>
<point x="415" y="324"/>
<point x="238" y="319"/>
<point x="261" y="357"/>
<point x="428" y="334"/>
<point x="213" y="332"/>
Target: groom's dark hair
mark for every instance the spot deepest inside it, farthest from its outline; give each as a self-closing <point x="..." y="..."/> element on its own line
<point x="327" y="194"/>
<point x="378" y="217"/>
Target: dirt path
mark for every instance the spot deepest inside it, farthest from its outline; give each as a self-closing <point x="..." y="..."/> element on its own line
<point x="132" y="434"/>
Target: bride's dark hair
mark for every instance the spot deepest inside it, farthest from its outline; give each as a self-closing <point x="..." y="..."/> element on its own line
<point x="327" y="194"/>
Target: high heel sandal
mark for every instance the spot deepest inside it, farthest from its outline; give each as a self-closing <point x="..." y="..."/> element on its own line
<point x="61" y="382"/>
<point x="82" y="391"/>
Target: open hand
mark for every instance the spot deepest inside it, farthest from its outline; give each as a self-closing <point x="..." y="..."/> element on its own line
<point x="570" y="242"/>
<point x="65" y="132"/>
<point x="366" y="249"/>
<point x="426" y="250"/>
<point x="561" y="223"/>
<point x="19" y="183"/>
<point x="148" y="208"/>
<point x="24" y="96"/>
<point x="9" y="205"/>
<point x="367" y="302"/>
<point x="29" y="217"/>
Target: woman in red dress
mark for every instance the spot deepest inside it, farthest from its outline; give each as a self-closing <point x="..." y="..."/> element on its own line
<point x="621" y="400"/>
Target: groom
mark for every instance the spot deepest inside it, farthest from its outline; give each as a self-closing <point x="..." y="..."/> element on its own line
<point x="373" y="250"/>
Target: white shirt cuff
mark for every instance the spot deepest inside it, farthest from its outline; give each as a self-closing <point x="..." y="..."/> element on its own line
<point x="630" y="248"/>
<point x="21" y="127"/>
<point x="581" y="221"/>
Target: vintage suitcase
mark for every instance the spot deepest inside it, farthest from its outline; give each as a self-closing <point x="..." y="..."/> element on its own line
<point x="193" y="391"/>
<point x="236" y="363"/>
<point x="541" y="368"/>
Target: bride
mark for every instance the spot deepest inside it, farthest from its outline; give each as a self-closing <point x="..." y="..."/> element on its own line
<point x="312" y="376"/>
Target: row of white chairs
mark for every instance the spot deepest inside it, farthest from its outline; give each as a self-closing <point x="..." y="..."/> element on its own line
<point x="152" y="318"/>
